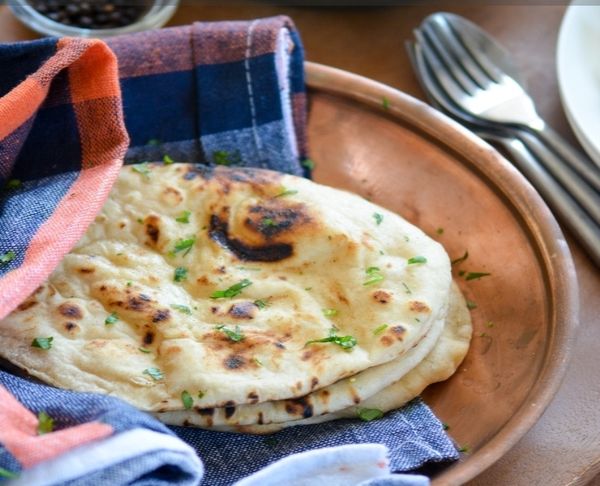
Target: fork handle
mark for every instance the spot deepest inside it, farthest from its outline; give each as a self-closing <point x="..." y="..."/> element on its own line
<point x="586" y="195"/>
<point x="575" y="159"/>
<point x="585" y="230"/>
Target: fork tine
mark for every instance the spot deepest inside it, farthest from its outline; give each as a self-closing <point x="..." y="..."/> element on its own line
<point x="439" y="71"/>
<point x="448" y="61"/>
<point x="461" y="30"/>
<point x="448" y="37"/>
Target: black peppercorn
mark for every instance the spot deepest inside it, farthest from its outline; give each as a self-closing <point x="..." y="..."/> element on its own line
<point x="92" y="14"/>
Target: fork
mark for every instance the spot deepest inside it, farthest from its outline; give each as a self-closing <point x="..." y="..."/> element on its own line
<point x="568" y="210"/>
<point x="475" y="103"/>
<point x="484" y="79"/>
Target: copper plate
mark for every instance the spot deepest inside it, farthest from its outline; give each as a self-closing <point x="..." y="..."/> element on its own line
<point x="408" y="157"/>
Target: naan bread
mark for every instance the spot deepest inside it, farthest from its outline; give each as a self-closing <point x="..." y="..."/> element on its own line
<point x="438" y="365"/>
<point x="319" y="258"/>
<point x="339" y="395"/>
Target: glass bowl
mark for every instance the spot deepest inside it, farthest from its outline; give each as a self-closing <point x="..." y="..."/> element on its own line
<point x="157" y="15"/>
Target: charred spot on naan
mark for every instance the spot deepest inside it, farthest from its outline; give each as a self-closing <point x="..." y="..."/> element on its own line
<point x="152" y="230"/>
<point x="299" y="407"/>
<point x="243" y="310"/>
<point x="382" y="296"/>
<point x="72" y="311"/>
<point x="275" y="217"/>
<point x="28" y="304"/>
<point x="417" y="306"/>
<point x="219" y="232"/>
<point x="171" y="196"/>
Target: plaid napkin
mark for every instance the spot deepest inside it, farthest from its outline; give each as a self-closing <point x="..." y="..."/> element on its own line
<point x="225" y="93"/>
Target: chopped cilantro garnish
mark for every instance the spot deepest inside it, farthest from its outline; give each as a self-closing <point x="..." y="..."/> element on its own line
<point x="232" y="291"/>
<point x="380" y="329"/>
<point x="445" y="426"/>
<point x="144" y="350"/>
<point x="257" y="361"/>
<point x="461" y="259"/>
<point x="111" y="319"/>
<point x="222" y="157"/>
<point x="346" y="342"/>
<point x="45" y="423"/>
<point x="184" y="309"/>
<point x="385" y="103"/>
<point x="154" y="373"/>
<point x="142" y="168"/>
<point x="489" y="324"/>
<point x="476" y="275"/>
<point x="417" y="259"/>
<point x="483" y="334"/>
<point x="261" y="303"/>
<point x="250" y="269"/>
<point x="236" y="336"/>
<point x="168" y="160"/>
<point x="184" y="217"/>
<point x="13" y="184"/>
<point x="440" y="231"/>
<point x="308" y="289"/>
<point x="140" y="220"/>
<point x="309" y="164"/>
<point x="200" y="394"/>
<point x="6" y="474"/>
<point x="129" y="284"/>
<point x="471" y="305"/>
<point x="465" y="448"/>
<point x="187" y="400"/>
<point x="374" y="276"/>
<point x="406" y="288"/>
<point x="461" y="273"/>
<point x="378" y="218"/>
<point x="286" y="192"/>
<point x="268" y="222"/>
<point x="44" y="343"/>
<point x="7" y="257"/>
<point x="368" y="414"/>
<point x="181" y="274"/>
<point x="330" y="312"/>
<point x="183" y="245"/>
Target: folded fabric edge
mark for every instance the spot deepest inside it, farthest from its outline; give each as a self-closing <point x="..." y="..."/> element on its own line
<point x="102" y="455"/>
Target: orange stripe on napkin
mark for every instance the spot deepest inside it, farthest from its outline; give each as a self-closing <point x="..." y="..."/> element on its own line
<point x="70" y="219"/>
<point x="19" y="433"/>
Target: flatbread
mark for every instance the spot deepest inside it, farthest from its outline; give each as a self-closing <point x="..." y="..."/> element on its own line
<point x="319" y="258"/>
<point x="438" y="365"/>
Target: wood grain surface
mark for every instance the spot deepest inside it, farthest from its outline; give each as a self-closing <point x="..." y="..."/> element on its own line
<point x="564" y="446"/>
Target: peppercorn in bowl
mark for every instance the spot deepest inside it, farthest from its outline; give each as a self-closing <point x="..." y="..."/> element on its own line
<point x="93" y="18"/>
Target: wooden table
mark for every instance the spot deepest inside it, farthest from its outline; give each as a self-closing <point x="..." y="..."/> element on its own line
<point x="564" y="447"/>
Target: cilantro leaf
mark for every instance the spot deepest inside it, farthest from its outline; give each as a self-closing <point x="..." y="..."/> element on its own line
<point x="168" y="160"/>
<point x="184" y="245"/>
<point x="6" y="474"/>
<point x="476" y="275"/>
<point x="232" y="291"/>
<point x="44" y="343"/>
<point x="417" y="259"/>
<point x="45" y="423"/>
<point x="184" y="217"/>
<point x="143" y="169"/>
<point x="7" y="257"/>
<point x="378" y="218"/>
<point x="330" y="312"/>
<point x="374" y="276"/>
<point x="13" y="184"/>
<point x="187" y="400"/>
<point x="385" y="103"/>
<point x="309" y="164"/>
<point x="368" y="414"/>
<point x="181" y="274"/>
<point x="222" y="157"/>
<point x="286" y="192"/>
<point x="380" y="329"/>
<point x="236" y="336"/>
<point x="184" y="309"/>
<point x="111" y="319"/>
<point x="460" y="259"/>
<point x="346" y="342"/>
<point x="261" y="304"/>
<point x="154" y="373"/>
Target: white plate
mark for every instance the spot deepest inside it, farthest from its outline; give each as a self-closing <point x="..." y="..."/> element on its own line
<point x="578" y="65"/>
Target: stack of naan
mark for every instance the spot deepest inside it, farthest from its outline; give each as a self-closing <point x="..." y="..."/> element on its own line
<point x="244" y="299"/>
